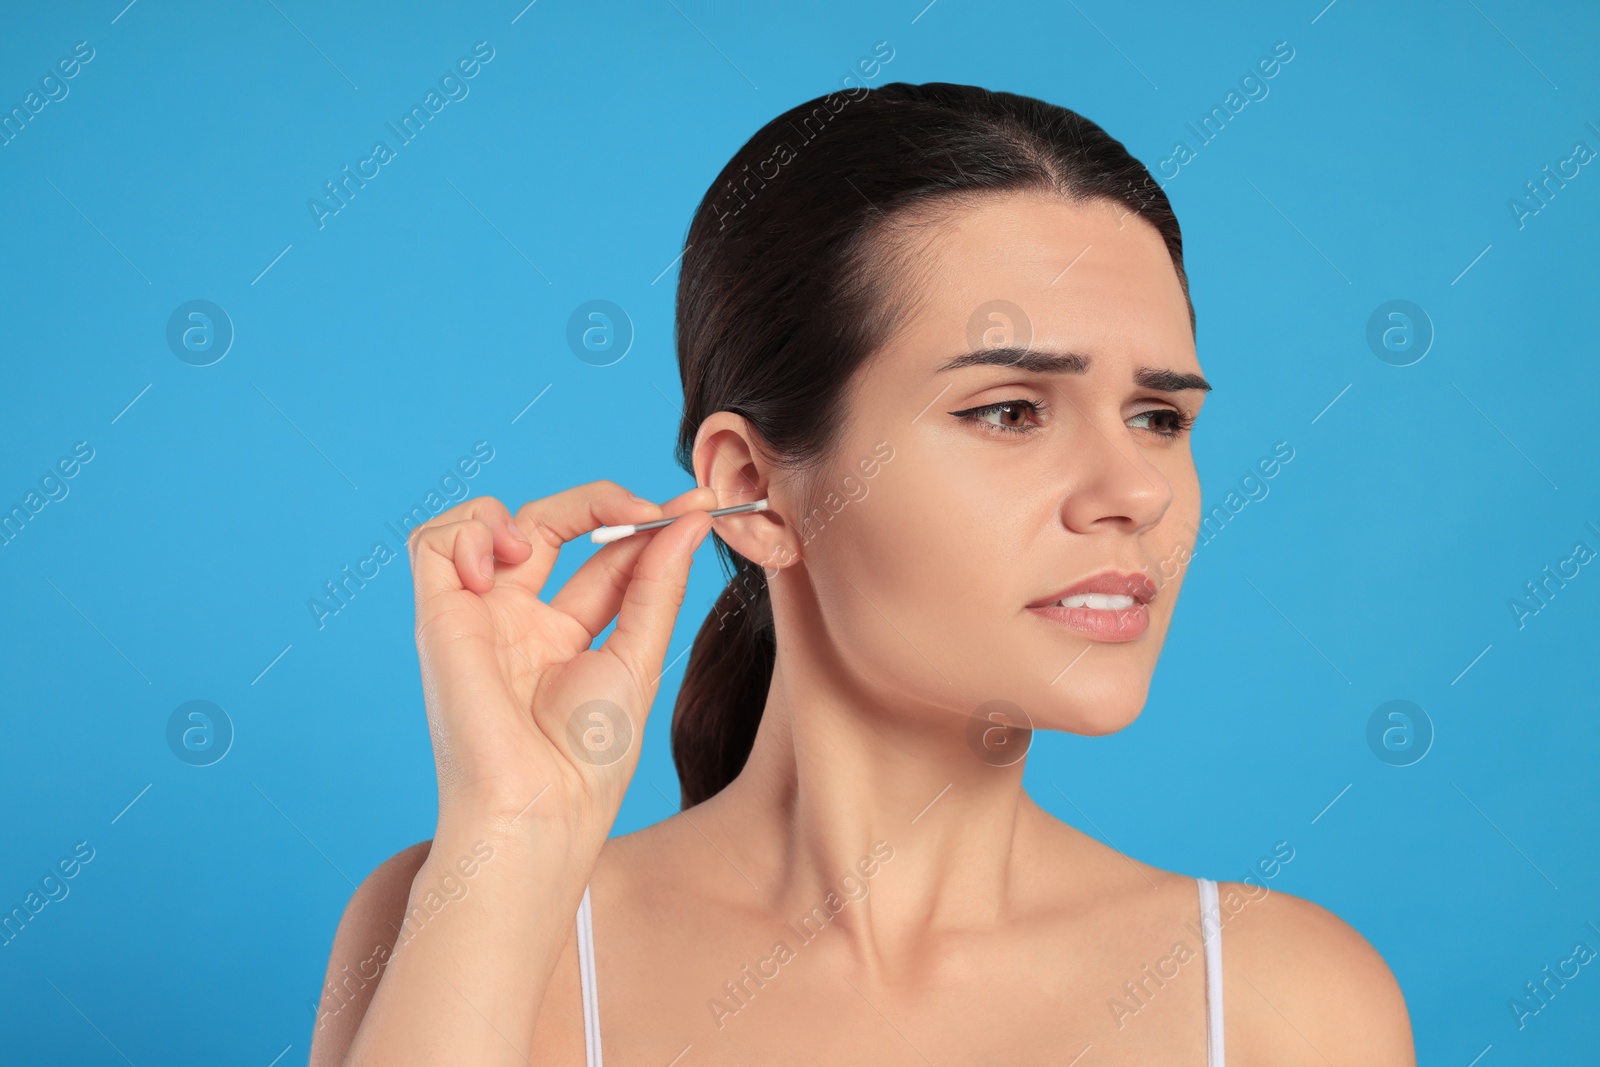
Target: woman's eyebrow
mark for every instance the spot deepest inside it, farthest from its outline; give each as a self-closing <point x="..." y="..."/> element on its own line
<point x="1037" y="362"/>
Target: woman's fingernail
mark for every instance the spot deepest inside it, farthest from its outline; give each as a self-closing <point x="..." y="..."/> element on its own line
<point x="516" y="532"/>
<point x="640" y="499"/>
<point x="486" y="566"/>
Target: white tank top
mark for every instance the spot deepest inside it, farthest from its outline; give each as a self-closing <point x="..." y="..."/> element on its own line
<point x="1211" y="938"/>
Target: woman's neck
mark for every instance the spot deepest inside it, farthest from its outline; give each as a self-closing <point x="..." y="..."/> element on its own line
<point x="876" y="810"/>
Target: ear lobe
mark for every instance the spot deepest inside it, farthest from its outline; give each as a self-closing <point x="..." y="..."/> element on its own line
<point x="783" y="557"/>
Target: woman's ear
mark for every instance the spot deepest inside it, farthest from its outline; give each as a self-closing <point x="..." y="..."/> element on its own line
<point x="728" y="458"/>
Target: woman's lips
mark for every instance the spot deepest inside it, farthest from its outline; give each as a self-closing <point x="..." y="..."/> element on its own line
<point x="1102" y="616"/>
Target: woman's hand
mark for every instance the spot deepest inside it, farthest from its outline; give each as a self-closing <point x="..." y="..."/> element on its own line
<point x="531" y="726"/>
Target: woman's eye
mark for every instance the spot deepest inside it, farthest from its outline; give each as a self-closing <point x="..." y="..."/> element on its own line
<point x="1167" y="422"/>
<point x="1005" y="415"/>
<point x="1024" y="416"/>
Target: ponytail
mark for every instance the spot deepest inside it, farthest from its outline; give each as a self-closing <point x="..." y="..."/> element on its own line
<point x="725" y="685"/>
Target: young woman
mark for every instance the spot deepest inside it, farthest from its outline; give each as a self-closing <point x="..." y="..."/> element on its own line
<point x="946" y="334"/>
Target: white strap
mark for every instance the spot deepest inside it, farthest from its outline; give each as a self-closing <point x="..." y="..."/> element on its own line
<point x="591" y="1004"/>
<point x="1211" y="933"/>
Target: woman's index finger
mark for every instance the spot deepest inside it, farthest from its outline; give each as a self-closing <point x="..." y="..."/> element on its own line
<point x="552" y="521"/>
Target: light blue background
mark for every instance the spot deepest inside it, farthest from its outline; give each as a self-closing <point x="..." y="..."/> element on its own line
<point x="429" y="312"/>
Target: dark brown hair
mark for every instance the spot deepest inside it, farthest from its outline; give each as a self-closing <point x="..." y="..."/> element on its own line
<point x="799" y="263"/>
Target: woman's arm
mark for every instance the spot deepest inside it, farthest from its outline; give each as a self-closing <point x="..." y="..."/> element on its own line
<point x="469" y="956"/>
<point x="520" y="712"/>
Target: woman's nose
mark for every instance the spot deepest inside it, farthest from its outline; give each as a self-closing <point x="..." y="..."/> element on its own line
<point x="1113" y="482"/>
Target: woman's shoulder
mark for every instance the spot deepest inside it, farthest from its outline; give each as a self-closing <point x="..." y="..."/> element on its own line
<point x="362" y="944"/>
<point x="1300" y="984"/>
<point x="1303" y="985"/>
<point x="376" y="917"/>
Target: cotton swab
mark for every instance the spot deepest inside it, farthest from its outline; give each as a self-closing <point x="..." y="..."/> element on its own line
<point x="607" y="534"/>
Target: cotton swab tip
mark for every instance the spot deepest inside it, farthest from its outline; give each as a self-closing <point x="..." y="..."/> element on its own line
<point x="606" y="534"/>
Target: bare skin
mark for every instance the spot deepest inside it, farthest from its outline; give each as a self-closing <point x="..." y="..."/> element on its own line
<point x="975" y="924"/>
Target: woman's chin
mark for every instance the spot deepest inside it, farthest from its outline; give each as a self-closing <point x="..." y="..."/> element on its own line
<point x="1093" y="708"/>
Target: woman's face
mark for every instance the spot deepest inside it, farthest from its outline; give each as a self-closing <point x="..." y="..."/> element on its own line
<point x="1017" y="474"/>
